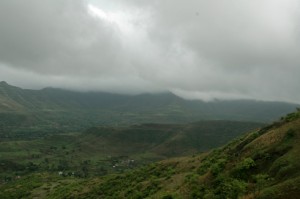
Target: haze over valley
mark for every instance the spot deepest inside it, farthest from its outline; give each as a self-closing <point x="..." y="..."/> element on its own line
<point x="149" y="99"/>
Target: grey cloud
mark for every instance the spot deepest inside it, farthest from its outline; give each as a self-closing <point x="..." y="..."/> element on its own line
<point x="54" y="37"/>
<point x="198" y="49"/>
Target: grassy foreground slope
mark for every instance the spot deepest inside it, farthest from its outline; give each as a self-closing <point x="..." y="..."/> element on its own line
<point x="261" y="164"/>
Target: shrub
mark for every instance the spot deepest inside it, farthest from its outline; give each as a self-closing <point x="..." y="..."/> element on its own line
<point x="226" y="187"/>
<point x="218" y="166"/>
<point x="244" y="168"/>
<point x="261" y="180"/>
<point x="290" y="134"/>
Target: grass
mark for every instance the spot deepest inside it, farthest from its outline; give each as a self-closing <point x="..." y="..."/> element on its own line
<point x="102" y="150"/>
<point x="261" y="164"/>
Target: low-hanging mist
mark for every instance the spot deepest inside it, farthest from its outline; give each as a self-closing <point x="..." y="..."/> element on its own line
<point x="197" y="49"/>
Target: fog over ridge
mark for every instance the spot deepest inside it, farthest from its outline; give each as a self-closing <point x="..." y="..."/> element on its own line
<point x="197" y="49"/>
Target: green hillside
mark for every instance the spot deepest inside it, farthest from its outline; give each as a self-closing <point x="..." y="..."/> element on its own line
<point x="35" y="113"/>
<point x="102" y="150"/>
<point x="167" y="139"/>
<point x="261" y="164"/>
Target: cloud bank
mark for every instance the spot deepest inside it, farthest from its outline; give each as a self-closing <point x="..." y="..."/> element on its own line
<point x="198" y="49"/>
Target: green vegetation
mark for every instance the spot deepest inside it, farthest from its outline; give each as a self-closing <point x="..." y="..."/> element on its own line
<point x="102" y="150"/>
<point x="46" y="153"/>
<point x="261" y="164"/>
<point x="32" y="114"/>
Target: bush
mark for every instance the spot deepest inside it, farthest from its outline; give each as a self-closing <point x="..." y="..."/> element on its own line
<point x="244" y="168"/>
<point x="290" y="134"/>
<point x="218" y="167"/>
<point x="269" y="193"/>
<point x="261" y="181"/>
<point x="226" y="187"/>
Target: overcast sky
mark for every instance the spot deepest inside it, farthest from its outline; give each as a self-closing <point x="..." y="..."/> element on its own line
<point x="198" y="49"/>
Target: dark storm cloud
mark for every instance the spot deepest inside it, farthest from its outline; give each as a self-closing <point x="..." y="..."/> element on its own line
<point x="198" y="49"/>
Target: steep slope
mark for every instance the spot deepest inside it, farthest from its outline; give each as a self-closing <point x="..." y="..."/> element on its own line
<point x="262" y="164"/>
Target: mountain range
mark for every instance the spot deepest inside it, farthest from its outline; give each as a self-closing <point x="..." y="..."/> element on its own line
<point x="55" y="110"/>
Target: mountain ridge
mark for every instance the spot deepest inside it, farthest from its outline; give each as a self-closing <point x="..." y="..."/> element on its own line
<point x="56" y="110"/>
